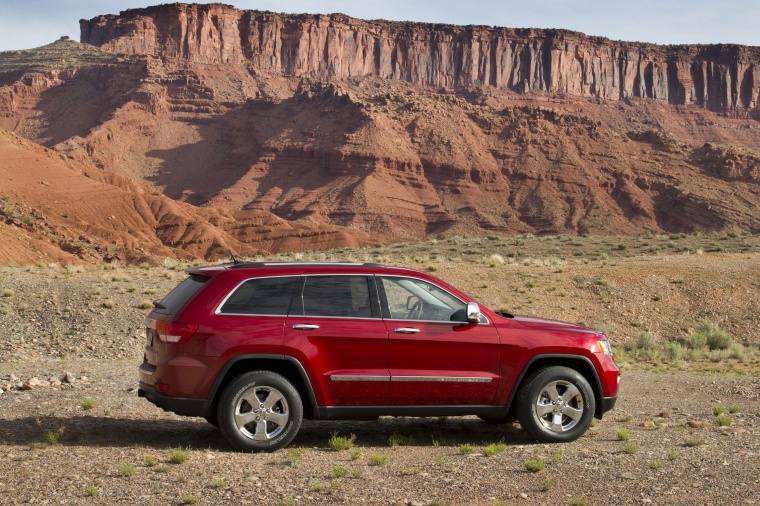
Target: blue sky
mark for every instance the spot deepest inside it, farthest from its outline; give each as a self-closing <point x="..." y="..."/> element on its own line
<point x="31" y="23"/>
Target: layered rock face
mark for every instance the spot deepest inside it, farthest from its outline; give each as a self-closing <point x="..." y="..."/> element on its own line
<point x="722" y="78"/>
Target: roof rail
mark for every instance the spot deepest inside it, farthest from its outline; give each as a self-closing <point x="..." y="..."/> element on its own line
<point x="243" y="265"/>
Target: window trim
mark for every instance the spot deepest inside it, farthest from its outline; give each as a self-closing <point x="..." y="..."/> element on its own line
<point x="385" y="307"/>
<point x="218" y="310"/>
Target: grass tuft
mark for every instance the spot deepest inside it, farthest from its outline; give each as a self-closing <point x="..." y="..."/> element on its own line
<point x="338" y="443"/>
<point x="87" y="404"/>
<point x="535" y="465"/>
<point x="179" y="455"/>
<point x="378" y="460"/>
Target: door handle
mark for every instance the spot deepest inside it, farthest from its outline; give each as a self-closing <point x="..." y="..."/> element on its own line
<point x="305" y="326"/>
<point x="407" y="330"/>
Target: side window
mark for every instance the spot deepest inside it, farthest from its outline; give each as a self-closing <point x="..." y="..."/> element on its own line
<point x="338" y="296"/>
<point x="415" y="299"/>
<point x="261" y="296"/>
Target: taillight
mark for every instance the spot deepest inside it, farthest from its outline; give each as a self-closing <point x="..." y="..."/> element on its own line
<point x="175" y="332"/>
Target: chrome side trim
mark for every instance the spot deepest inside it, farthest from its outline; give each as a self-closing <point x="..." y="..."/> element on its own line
<point x="347" y="377"/>
<point x="406" y="330"/>
<point x="442" y="379"/>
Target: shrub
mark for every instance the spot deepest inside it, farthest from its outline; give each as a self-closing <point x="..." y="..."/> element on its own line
<point x="577" y="502"/>
<point x="623" y="435"/>
<point x="534" y="466"/>
<point x="733" y="409"/>
<point x="338" y="472"/>
<point x="109" y="304"/>
<point x="8" y="292"/>
<point x="150" y="461"/>
<point x="145" y="304"/>
<point x="697" y="341"/>
<point x="217" y="483"/>
<point x="631" y="448"/>
<point x="87" y="404"/>
<point x="337" y="443"/>
<point x="655" y="464"/>
<point x="466" y="448"/>
<point x="494" y="448"/>
<point x="723" y="420"/>
<point x="672" y="454"/>
<point x="693" y="443"/>
<point x="379" y="460"/>
<point x="645" y="341"/>
<point x="189" y="499"/>
<point x="91" y="491"/>
<point x="126" y="470"/>
<point x="397" y="439"/>
<point x="546" y="485"/>
<point x="180" y="455"/>
<point x="356" y="454"/>
<point x="53" y="437"/>
<point x="717" y="410"/>
<point x="673" y="350"/>
<point x="715" y="338"/>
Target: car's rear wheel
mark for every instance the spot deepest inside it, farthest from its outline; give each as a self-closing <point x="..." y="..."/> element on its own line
<point x="555" y="405"/>
<point x="260" y="411"/>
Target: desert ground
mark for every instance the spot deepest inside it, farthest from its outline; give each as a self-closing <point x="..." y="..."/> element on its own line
<point x="686" y="429"/>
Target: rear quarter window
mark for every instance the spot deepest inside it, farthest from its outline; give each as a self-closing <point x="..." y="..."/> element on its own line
<point x="181" y="294"/>
<point x="261" y="296"/>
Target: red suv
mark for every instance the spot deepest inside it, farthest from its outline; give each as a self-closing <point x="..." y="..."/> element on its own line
<point x="256" y="347"/>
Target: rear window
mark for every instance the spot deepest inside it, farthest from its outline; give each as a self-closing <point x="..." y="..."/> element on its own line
<point x="181" y="294"/>
<point x="261" y="296"/>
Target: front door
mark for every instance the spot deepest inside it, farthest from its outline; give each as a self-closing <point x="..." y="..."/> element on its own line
<point x="436" y="356"/>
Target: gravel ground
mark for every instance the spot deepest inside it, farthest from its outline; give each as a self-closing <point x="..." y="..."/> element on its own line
<point x="89" y="323"/>
<point x="96" y="444"/>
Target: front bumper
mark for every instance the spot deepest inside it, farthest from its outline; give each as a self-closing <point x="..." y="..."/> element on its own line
<point x="179" y="405"/>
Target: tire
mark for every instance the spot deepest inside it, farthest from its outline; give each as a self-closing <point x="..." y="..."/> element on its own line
<point x="213" y="420"/>
<point x="506" y="419"/>
<point x="251" y="430"/>
<point x="555" y="405"/>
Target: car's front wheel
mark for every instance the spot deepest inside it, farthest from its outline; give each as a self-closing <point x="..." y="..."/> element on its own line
<point x="260" y="411"/>
<point x="555" y="405"/>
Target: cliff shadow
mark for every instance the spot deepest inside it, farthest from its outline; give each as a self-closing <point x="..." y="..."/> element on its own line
<point x="261" y="145"/>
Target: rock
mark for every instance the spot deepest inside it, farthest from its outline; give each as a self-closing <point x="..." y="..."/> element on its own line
<point x="68" y="377"/>
<point x="13" y="378"/>
<point x="84" y="378"/>
<point x="523" y="495"/>
<point x="55" y="382"/>
<point x="733" y="430"/>
<point x="441" y="56"/>
<point x="664" y="414"/>
<point x="694" y="424"/>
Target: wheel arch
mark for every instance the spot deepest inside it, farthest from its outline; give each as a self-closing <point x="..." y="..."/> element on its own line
<point x="286" y="366"/>
<point x="579" y="363"/>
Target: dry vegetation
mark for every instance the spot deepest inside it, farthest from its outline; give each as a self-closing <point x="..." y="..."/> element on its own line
<point x="682" y="311"/>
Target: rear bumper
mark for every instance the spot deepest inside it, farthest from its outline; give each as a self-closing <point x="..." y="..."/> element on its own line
<point x="179" y="405"/>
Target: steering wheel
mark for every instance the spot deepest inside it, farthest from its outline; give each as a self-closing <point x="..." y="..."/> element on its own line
<point x="415" y="312"/>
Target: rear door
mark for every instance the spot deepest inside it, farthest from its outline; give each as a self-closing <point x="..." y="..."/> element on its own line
<point x="335" y="329"/>
<point x="436" y="357"/>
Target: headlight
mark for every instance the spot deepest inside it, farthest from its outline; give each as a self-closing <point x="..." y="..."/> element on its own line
<point x="604" y="347"/>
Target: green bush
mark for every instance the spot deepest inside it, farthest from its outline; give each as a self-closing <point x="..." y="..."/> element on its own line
<point x="673" y="350"/>
<point x="535" y="466"/>
<point x="645" y="341"/>
<point x="715" y="338"/>
<point x="337" y="443"/>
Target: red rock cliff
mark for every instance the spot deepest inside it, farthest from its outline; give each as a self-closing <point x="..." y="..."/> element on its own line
<point x="724" y="78"/>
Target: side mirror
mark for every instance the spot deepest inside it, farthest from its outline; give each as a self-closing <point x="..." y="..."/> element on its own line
<point x="473" y="312"/>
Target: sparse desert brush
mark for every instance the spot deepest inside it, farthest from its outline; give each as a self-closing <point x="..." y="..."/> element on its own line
<point x="534" y="465"/>
<point x="673" y="350"/>
<point x="397" y="439"/>
<point x="109" y="304"/>
<point x="546" y="485"/>
<point x="631" y="448"/>
<point x="189" y="499"/>
<point x="496" y="259"/>
<point x="494" y="448"/>
<point x="379" y="460"/>
<point x="623" y="435"/>
<point x="466" y="448"/>
<point x="126" y="470"/>
<point x="150" y="461"/>
<point x="693" y="443"/>
<point x="714" y="337"/>
<point x="723" y="420"/>
<point x="655" y="464"/>
<point x="179" y="455"/>
<point x="672" y="454"/>
<point x="717" y="410"/>
<point x="337" y="443"/>
<point x="87" y="404"/>
<point x="53" y="437"/>
<point x="646" y="341"/>
<point x="217" y="483"/>
<point x="91" y="491"/>
<point x="356" y="454"/>
<point x="338" y="472"/>
<point x="145" y="304"/>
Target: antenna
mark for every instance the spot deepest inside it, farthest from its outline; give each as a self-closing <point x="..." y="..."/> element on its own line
<point x="235" y="261"/>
